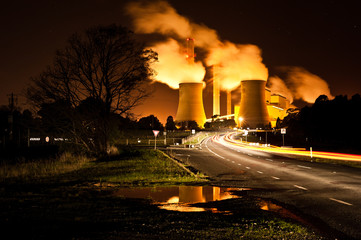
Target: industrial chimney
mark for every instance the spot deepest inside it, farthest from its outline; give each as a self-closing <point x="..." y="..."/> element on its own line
<point x="216" y="92"/>
<point x="253" y="109"/>
<point x="190" y="105"/>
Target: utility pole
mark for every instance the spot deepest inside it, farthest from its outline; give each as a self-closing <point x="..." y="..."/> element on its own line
<point x="13" y="100"/>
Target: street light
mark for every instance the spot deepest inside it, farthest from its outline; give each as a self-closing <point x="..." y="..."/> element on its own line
<point x="240" y="119"/>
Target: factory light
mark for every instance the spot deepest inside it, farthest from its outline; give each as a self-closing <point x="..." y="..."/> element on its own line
<point x="277" y="107"/>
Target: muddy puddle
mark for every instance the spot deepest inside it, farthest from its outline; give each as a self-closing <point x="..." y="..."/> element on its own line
<point x="181" y="198"/>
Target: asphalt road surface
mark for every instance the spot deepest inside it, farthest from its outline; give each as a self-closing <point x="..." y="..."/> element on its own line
<point x="327" y="193"/>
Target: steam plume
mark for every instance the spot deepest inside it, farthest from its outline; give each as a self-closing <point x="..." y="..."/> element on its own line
<point x="301" y="83"/>
<point x="236" y="62"/>
<point x="278" y="86"/>
<point x="173" y="67"/>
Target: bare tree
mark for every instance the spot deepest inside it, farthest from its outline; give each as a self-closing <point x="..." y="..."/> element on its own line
<point x="104" y="64"/>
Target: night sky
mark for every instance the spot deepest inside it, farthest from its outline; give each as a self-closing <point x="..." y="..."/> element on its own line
<point x="323" y="37"/>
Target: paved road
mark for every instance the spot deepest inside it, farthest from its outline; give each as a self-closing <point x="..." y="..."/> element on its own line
<point x="328" y="192"/>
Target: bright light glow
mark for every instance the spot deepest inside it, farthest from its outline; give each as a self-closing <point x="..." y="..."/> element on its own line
<point x="34" y="139"/>
<point x="277" y="108"/>
<point x="228" y="140"/>
<point x="240" y="119"/>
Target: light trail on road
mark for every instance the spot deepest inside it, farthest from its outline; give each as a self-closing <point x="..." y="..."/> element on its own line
<point x="229" y="140"/>
<point x="329" y="192"/>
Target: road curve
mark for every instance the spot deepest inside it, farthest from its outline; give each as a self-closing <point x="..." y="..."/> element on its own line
<point x="331" y="193"/>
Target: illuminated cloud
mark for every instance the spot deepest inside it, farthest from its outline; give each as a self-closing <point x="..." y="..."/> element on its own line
<point x="173" y="68"/>
<point x="236" y="62"/>
<point x="301" y="83"/>
<point x="278" y="86"/>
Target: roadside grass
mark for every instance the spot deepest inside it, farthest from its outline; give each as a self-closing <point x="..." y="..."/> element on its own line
<point x="141" y="167"/>
<point x="38" y="168"/>
<point x="353" y="164"/>
<point x="70" y="198"/>
<point x="338" y="162"/>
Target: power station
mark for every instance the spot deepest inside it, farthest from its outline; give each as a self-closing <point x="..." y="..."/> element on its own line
<point x="190" y="105"/>
<point x="257" y="107"/>
<point x="253" y="111"/>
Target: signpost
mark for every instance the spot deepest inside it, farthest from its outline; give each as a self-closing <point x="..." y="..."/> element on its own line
<point x="155" y="138"/>
<point x="283" y="132"/>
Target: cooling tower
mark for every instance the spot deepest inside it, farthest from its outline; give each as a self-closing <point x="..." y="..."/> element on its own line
<point x="253" y="109"/>
<point x="190" y="105"/>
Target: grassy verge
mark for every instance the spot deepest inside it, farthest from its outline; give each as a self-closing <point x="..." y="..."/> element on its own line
<point x="79" y="203"/>
<point x="40" y="168"/>
<point x="353" y="164"/>
<point x="142" y="167"/>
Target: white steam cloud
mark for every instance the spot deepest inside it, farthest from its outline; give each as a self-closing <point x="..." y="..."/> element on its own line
<point x="235" y="62"/>
<point x="301" y="84"/>
<point x="173" y="68"/>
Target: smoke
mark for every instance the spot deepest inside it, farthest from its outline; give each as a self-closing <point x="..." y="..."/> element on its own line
<point x="173" y="67"/>
<point x="235" y="62"/>
<point x="302" y="84"/>
<point x="158" y="17"/>
<point x="278" y="86"/>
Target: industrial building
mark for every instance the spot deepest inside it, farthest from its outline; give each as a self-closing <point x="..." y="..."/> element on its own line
<point x="257" y="108"/>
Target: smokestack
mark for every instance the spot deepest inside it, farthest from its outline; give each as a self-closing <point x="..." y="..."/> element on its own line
<point x="216" y="92"/>
<point x="229" y="102"/>
<point x="190" y="50"/>
<point x="190" y="106"/>
<point x="253" y="107"/>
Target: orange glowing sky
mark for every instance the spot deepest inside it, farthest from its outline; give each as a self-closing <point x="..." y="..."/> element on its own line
<point x="320" y="39"/>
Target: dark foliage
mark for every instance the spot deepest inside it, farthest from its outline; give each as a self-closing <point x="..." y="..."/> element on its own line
<point x="327" y="123"/>
<point x="170" y="125"/>
<point x="150" y="123"/>
<point x="188" y="125"/>
<point x="102" y="72"/>
<point x="220" y="124"/>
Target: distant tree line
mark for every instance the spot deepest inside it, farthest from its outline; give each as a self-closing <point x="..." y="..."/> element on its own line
<point x="327" y="124"/>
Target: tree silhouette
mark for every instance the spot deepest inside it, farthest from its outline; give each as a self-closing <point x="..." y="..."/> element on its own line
<point x="150" y="123"/>
<point x="170" y="125"/>
<point x="103" y="68"/>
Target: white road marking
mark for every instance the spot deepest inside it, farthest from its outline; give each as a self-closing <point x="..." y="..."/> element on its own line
<point x="259" y="172"/>
<point x="268" y="159"/>
<point x="232" y="161"/>
<point x="300" y="187"/>
<point x="303" y="167"/>
<point x="275" y="178"/>
<point x="250" y="154"/>
<point x="239" y="164"/>
<point x="340" y="201"/>
<point x="248" y="167"/>
<point x="216" y="154"/>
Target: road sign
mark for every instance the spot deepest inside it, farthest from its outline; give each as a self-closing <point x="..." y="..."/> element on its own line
<point x="155" y="132"/>
<point x="155" y="138"/>
<point x="283" y="130"/>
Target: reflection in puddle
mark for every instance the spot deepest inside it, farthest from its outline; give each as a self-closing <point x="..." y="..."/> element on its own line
<point x="181" y="198"/>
